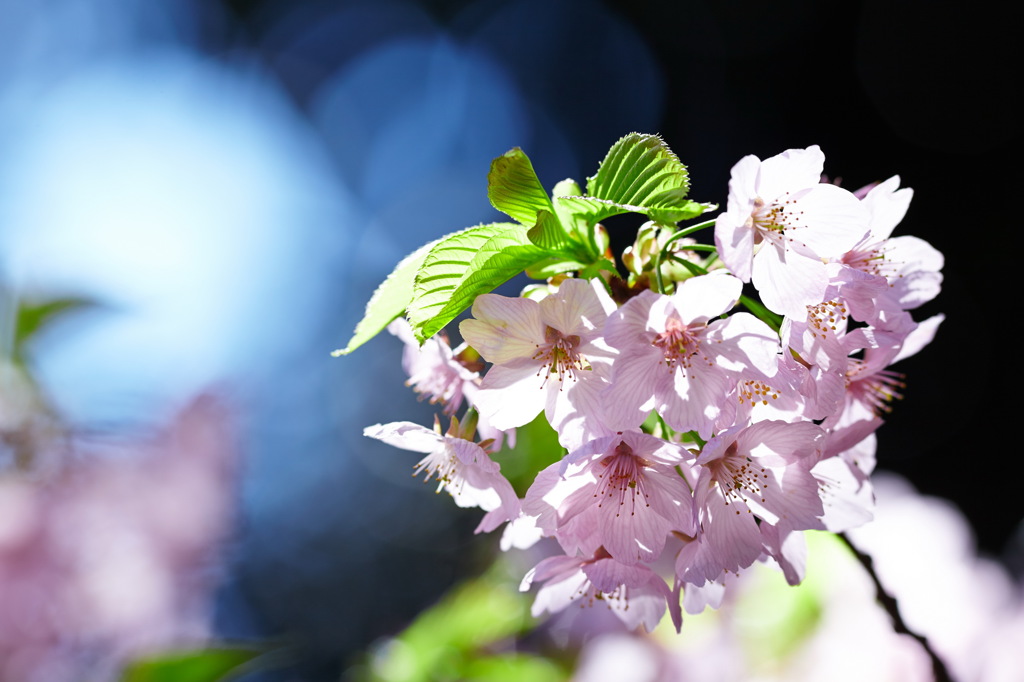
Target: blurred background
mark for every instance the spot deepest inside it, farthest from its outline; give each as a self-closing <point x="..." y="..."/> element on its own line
<point x="212" y="189"/>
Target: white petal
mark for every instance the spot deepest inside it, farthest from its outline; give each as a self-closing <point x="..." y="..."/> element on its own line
<point x="887" y="206"/>
<point x="833" y="221"/>
<point x="504" y="328"/>
<point x="792" y="170"/>
<point x="789" y="282"/>
<point x="701" y="298"/>
<point x="407" y="436"/>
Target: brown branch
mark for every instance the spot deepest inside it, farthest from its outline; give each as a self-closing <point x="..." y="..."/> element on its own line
<point x="888" y="603"/>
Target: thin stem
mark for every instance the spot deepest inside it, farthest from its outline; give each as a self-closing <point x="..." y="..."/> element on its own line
<point x="660" y="255"/>
<point x="687" y="231"/>
<point x="691" y="266"/>
<point x="700" y="247"/>
<point x="888" y="602"/>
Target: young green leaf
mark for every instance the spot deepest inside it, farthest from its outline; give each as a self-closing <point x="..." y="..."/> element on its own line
<point x="640" y="174"/>
<point x="638" y="168"/>
<point x="501" y="257"/>
<point x="389" y="300"/>
<point x="566" y="188"/>
<point x="513" y="188"/>
<point x="444" y="268"/>
<point x="554" y="265"/>
<point x="548" y="234"/>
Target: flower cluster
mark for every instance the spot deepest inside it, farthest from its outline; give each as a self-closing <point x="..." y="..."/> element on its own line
<point x="699" y="438"/>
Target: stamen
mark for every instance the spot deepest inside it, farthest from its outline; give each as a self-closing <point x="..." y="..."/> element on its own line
<point x="679" y="342"/>
<point x="754" y="391"/>
<point x="827" y="317"/>
<point x="872" y="260"/>
<point x="874" y="390"/>
<point x="738" y="476"/>
<point x="623" y="478"/>
<point x="559" y="356"/>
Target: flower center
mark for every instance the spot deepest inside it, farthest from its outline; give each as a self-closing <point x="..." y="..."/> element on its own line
<point x="754" y="391"/>
<point x="738" y="476"/>
<point x="559" y="355"/>
<point x="826" y="318"/>
<point x="770" y="221"/>
<point x="622" y="479"/>
<point x="441" y="464"/>
<point x="874" y="390"/>
<point x="679" y="342"/>
<point x="870" y="259"/>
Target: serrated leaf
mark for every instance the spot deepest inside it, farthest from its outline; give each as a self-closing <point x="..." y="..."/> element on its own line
<point x="502" y="257"/>
<point x="444" y="268"/>
<point x="513" y="187"/>
<point x="566" y="188"/>
<point x="637" y="168"/>
<point x="640" y="174"/>
<point x="389" y="300"/>
<point x="593" y="209"/>
<point x="664" y="212"/>
<point x="548" y="233"/>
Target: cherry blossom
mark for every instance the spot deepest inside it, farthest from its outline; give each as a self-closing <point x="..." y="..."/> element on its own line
<point x="621" y="492"/>
<point x="548" y="355"/>
<point x="782" y="224"/>
<point x="461" y="467"/>
<point x="748" y="472"/>
<point x="634" y="593"/>
<point x="676" y="358"/>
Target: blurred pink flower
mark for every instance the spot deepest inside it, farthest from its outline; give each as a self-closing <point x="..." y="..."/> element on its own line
<point x="110" y="557"/>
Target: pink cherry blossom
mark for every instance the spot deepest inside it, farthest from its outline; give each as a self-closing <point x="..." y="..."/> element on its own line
<point x="757" y="471"/>
<point x="433" y="369"/>
<point x="676" y="357"/>
<point x="870" y="385"/>
<point x="461" y="467"/>
<point x="114" y="553"/>
<point x="634" y="593"/>
<point x="437" y="372"/>
<point x="548" y="355"/>
<point x="781" y="225"/>
<point x="621" y="492"/>
<point x="880" y="271"/>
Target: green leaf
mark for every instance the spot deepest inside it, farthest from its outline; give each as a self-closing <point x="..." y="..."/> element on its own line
<point x="457" y="631"/>
<point x="389" y="300"/>
<point x="35" y="316"/>
<point x="444" y="268"/>
<point x="204" y="665"/>
<point x="555" y="265"/>
<point x="640" y="174"/>
<point x="513" y="668"/>
<point x="548" y="233"/>
<point x="637" y="168"/>
<point x="513" y="188"/>
<point x="536" y="447"/>
<point x="566" y="188"/>
<point x="441" y="294"/>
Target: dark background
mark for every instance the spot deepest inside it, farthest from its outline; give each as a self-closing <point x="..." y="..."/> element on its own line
<point x="336" y="548"/>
